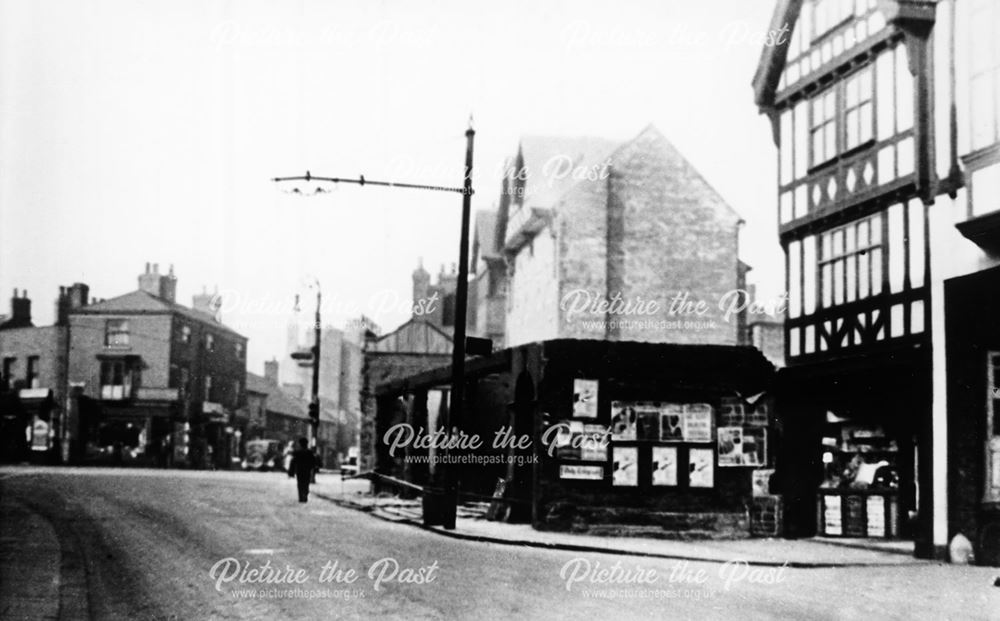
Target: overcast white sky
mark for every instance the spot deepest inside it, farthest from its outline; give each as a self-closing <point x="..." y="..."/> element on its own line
<point x="149" y="131"/>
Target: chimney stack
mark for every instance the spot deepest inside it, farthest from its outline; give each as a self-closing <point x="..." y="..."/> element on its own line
<point x="149" y="281"/>
<point x="271" y="371"/>
<point x="70" y="299"/>
<point x="168" y="286"/>
<point x="20" y="311"/>
<point x="208" y="303"/>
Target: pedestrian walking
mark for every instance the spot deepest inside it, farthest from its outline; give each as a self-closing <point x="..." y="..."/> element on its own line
<point x="302" y="467"/>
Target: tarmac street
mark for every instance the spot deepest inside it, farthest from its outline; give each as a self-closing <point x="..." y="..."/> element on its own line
<point x="149" y="544"/>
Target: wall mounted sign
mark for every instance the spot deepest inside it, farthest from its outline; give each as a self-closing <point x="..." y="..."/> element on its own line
<point x="588" y="473"/>
<point x="585" y="398"/>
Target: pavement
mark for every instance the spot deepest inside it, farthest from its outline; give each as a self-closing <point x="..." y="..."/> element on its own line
<point x="471" y="524"/>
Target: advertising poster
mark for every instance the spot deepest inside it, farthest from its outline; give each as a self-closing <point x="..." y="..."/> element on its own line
<point x="595" y="443"/>
<point x="730" y="446"/>
<point x="754" y="446"/>
<point x="664" y="465"/>
<point x="647" y="421"/>
<point x="626" y="465"/>
<point x="568" y="441"/>
<point x="761" y="481"/>
<point x="671" y="422"/>
<point x="585" y="398"/>
<point x="622" y="421"/>
<point x="701" y="469"/>
<point x="587" y="473"/>
<point x="697" y="422"/>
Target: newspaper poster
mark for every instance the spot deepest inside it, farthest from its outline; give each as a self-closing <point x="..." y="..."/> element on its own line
<point x="585" y="398"/>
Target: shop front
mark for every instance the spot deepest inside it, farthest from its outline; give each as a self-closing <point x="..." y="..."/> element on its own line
<point x="972" y="338"/>
<point x="855" y="432"/>
<point x="604" y="437"/>
<point x="654" y="440"/>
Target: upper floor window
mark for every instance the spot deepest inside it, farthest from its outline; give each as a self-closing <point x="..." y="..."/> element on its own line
<point x="828" y="14"/>
<point x="858" y="117"/>
<point x="117" y="379"/>
<point x="184" y="334"/>
<point x="116" y="333"/>
<point x="31" y="379"/>
<point x="239" y="350"/>
<point x="9" y="369"/>
<point x="208" y="388"/>
<point x="823" y="126"/>
<point x="209" y="342"/>
<point x="984" y="94"/>
<point x="850" y="262"/>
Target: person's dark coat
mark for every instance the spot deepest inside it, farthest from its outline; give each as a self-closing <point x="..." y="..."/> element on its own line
<point x="302" y="468"/>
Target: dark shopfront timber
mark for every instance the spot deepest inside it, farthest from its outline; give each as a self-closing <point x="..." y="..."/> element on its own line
<point x="671" y="467"/>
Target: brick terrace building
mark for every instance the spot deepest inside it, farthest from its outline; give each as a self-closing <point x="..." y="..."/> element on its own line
<point x="33" y="377"/>
<point x="158" y="382"/>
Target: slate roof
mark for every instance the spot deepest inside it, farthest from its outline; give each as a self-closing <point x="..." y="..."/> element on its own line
<point x="280" y="402"/>
<point x="142" y="302"/>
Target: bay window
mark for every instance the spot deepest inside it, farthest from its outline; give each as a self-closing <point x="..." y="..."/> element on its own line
<point x="117" y="380"/>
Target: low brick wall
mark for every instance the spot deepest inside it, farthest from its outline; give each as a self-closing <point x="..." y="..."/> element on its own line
<point x="616" y="521"/>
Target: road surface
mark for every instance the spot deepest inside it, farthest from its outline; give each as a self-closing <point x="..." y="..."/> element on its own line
<point x="146" y="544"/>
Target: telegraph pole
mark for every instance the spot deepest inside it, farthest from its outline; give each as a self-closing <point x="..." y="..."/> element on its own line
<point x="440" y="505"/>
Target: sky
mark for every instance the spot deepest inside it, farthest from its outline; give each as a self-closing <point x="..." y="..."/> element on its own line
<point x="141" y="131"/>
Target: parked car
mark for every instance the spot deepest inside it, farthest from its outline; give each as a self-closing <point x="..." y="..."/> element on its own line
<point x="349" y="466"/>
<point x="263" y="455"/>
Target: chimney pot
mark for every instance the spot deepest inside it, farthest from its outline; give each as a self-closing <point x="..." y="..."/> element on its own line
<point x="156" y="268"/>
<point x="15" y="292"/>
<point x="147" y="267"/>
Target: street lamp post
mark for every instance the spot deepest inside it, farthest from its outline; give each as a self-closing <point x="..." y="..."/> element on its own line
<point x="449" y="506"/>
<point x="314" y="402"/>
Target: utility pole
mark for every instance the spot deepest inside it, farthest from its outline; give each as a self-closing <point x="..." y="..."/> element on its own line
<point x="440" y="507"/>
<point x="455" y="407"/>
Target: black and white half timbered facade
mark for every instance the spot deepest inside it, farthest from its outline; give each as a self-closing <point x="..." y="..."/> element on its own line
<point x="882" y="111"/>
